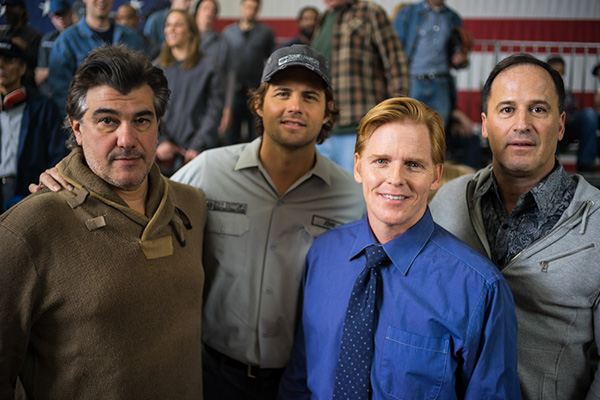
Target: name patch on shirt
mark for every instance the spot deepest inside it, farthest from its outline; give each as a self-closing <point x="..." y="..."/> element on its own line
<point x="226" y="206"/>
<point x="325" y="223"/>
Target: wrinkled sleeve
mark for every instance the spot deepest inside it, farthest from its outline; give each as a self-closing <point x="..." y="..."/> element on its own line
<point x="594" y="392"/>
<point x="392" y="55"/>
<point x="490" y="366"/>
<point x="19" y="279"/>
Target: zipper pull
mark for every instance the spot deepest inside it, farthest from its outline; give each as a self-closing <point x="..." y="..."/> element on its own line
<point x="544" y="265"/>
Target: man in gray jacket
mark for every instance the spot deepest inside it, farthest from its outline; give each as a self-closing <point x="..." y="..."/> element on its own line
<point x="540" y="226"/>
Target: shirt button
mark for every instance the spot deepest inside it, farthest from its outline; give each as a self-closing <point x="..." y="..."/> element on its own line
<point x="436" y="28"/>
<point x="279" y="202"/>
<point x="269" y="291"/>
<point x="265" y="335"/>
<point x="272" y="247"/>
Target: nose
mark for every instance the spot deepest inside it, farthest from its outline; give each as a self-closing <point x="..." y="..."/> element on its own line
<point x="396" y="175"/>
<point x="127" y="136"/>
<point x="293" y="104"/>
<point x="523" y="121"/>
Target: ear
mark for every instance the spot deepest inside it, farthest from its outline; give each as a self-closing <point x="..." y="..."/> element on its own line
<point x="561" y="128"/>
<point x="439" y="169"/>
<point x="76" y="126"/>
<point x="258" y="110"/>
<point x="484" y="132"/>
<point x="327" y="117"/>
<point x="357" y="168"/>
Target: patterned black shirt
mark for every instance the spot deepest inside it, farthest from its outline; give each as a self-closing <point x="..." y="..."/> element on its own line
<point x="536" y="213"/>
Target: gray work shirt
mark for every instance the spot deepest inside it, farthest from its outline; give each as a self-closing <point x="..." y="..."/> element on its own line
<point x="256" y="243"/>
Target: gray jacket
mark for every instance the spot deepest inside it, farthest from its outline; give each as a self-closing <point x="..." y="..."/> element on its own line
<point x="556" y="286"/>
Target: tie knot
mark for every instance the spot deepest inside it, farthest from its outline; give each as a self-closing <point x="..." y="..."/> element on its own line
<point x="376" y="256"/>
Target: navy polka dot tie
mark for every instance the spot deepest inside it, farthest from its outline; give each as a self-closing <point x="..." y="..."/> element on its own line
<point x="352" y="379"/>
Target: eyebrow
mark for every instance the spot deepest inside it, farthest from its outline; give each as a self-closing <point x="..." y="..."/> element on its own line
<point x="141" y="113"/>
<point x="308" y="91"/>
<point x="512" y="103"/>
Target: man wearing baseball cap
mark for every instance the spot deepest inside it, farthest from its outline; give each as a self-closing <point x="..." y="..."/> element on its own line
<point x="267" y="200"/>
<point x="30" y="136"/>
<point x="61" y="17"/>
<point x="18" y="30"/>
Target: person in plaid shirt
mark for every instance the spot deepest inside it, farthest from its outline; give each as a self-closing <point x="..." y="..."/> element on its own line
<point x="368" y="65"/>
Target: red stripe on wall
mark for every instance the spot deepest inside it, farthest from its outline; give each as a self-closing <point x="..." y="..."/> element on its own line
<point x="586" y="31"/>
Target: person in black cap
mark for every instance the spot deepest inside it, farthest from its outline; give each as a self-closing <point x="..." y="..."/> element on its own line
<point x="61" y="17"/>
<point x="18" y="30"/>
<point x="30" y="136"/>
<point x="280" y="195"/>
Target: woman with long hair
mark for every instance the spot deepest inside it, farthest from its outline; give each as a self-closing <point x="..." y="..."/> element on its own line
<point x="191" y="123"/>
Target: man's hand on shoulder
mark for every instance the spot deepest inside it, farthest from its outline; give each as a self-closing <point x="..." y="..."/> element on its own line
<point x="51" y="179"/>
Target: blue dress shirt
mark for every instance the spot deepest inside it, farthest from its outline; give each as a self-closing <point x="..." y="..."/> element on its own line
<point x="447" y="327"/>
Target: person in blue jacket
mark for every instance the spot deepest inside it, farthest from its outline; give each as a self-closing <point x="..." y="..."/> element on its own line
<point x="75" y="43"/>
<point x="31" y="137"/>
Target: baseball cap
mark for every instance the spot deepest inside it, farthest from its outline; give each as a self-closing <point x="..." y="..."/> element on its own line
<point x="59" y="6"/>
<point x="10" y="49"/>
<point x="297" y="55"/>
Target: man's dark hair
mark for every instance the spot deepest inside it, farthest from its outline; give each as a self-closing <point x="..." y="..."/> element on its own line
<point x="305" y="9"/>
<point x="523" y="59"/>
<point x="215" y="2"/>
<point x="121" y="69"/>
<point x="257" y="97"/>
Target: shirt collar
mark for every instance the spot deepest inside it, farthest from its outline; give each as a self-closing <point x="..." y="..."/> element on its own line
<point x="402" y="250"/>
<point x="249" y="159"/>
<point x="543" y="193"/>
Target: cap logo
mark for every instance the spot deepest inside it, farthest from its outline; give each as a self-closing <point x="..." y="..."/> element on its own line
<point x="298" y="57"/>
<point x="4" y="45"/>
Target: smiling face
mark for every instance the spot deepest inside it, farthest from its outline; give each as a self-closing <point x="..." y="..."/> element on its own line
<point x="119" y="135"/>
<point x="293" y="109"/>
<point x="523" y="122"/>
<point x="177" y="30"/>
<point x="397" y="172"/>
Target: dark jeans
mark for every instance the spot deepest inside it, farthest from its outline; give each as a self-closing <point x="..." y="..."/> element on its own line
<point x="225" y="382"/>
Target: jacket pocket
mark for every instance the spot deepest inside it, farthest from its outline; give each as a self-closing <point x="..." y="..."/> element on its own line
<point x="413" y="366"/>
<point x="545" y="264"/>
